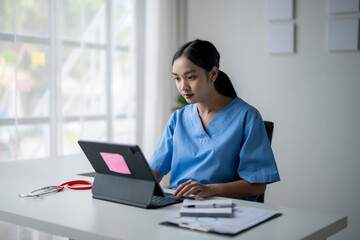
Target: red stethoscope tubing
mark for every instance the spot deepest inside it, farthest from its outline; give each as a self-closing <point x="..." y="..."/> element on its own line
<point x="72" y="185"/>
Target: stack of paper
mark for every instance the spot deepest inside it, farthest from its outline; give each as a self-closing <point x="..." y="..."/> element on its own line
<point x="207" y="208"/>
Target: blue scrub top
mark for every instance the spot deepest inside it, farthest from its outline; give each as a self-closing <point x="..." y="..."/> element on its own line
<point x="233" y="146"/>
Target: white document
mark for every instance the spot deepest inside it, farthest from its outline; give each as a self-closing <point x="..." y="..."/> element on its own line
<point x="244" y="218"/>
<point x="281" y="38"/>
<point x="280" y="9"/>
<point x="343" y="34"/>
<point x="343" y="6"/>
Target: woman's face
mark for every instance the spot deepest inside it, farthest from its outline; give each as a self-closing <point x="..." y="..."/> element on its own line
<point x="192" y="81"/>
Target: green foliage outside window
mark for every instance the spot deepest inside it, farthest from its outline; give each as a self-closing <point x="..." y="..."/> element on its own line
<point x="181" y="101"/>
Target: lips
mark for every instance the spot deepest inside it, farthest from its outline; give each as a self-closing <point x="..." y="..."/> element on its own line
<point x="187" y="96"/>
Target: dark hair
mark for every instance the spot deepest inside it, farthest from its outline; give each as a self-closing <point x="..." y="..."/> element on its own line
<point x="204" y="54"/>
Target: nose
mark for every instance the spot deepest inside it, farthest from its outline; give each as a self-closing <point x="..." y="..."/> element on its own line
<point x="183" y="86"/>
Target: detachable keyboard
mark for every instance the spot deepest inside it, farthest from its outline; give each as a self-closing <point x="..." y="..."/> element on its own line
<point x="169" y="199"/>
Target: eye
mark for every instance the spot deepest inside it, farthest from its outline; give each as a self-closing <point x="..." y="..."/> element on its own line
<point x="191" y="77"/>
<point x="176" y="78"/>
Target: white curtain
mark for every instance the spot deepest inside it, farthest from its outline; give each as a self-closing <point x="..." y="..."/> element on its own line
<point x="159" y="88"/>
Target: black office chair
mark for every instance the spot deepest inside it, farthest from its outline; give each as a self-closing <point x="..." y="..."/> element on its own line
<point x="269" y="127"/>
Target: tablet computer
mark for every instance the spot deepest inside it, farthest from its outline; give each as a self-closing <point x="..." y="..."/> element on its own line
<point x="123" y="175"/>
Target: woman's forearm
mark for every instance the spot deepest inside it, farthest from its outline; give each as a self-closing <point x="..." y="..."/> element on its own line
<point x="237" y="189"/>
<point x="157" y="175"/>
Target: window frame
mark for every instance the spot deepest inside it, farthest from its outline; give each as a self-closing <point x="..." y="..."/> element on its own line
<point x="55" y="120"/>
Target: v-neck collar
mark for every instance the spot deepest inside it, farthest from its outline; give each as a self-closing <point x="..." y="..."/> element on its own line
<point x="213" y="125"/>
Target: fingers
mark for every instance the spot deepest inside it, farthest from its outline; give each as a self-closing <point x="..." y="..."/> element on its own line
<point x="201" y="195"/>
<point x="191" y="187"/>
<point x="187" y="188"/>
<point x="181" y="187"/>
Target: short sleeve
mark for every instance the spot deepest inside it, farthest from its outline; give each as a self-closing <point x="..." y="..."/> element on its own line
<point x="256" y="161"/>
<point x="161" y="159"/>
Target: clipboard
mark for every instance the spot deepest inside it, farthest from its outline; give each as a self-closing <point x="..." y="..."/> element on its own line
<point x="244" y="218"/>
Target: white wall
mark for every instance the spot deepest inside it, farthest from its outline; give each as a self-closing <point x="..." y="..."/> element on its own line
<point x="312" y="96"/>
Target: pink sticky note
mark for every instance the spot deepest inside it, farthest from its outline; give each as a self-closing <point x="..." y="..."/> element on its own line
<point x="115" y="162"/>
<point x="24" y="85"/>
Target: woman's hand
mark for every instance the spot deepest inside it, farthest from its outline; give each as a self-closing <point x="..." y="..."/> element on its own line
<point x="236" y="189"/>
<point x="193" y="188"/>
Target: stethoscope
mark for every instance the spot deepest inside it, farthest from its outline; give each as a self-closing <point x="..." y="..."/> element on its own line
<point x="74" y="185"/>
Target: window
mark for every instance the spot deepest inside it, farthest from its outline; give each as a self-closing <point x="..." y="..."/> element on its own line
<point x="66" y="73"/>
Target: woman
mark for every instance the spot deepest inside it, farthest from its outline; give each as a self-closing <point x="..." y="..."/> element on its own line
<point x="217" y="145"/>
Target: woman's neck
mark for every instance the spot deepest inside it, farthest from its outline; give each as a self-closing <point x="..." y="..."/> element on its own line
<point x="208" y="109"/>
<point x="213" y="105"/>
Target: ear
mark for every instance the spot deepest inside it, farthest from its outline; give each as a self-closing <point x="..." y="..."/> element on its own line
<point x="213" y="74"/>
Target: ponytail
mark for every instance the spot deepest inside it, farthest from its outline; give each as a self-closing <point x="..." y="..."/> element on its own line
<point x="224" y="86"/>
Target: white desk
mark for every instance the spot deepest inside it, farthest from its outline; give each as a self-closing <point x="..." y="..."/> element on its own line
<point x="75" y="214"/>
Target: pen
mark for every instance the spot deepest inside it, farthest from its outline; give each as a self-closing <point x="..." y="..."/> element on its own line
<point x="209" y="206"/>
<point x="202" y="229"/>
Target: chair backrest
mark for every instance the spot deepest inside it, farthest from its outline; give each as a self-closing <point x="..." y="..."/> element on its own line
<point x="269" y="127"/>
